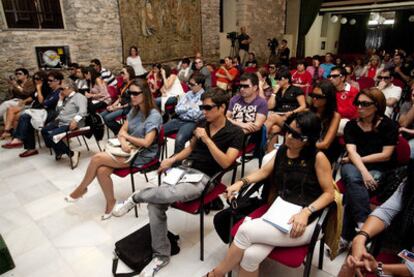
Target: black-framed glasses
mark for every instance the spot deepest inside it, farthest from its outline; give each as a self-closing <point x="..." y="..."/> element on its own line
<point x="244" y="86"/>
<point x="272" y="67"/>
<point x="384" y="77"/>
<point x="207" y="107"/>
<point x="50" y="80"/>
<point x="37" y="78"/>
<point x="122" y="73"/>
<point x="364" y="104"/>
<point x="135" y="93"/>
<point x="317" y="96"/>
<point x="18" y="73"/>
<point x="334" y="76"/>
<point x="295" y="134"/>
<point x="191" y="84"/>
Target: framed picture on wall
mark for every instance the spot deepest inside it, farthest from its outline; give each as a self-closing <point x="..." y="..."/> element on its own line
<point x="49" y="57"/>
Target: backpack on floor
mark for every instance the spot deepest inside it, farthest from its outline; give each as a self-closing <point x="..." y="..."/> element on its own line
<point x="136" y="252"/>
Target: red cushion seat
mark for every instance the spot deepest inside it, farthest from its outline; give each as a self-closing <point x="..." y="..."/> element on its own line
<point x="193" y="207"/>
<point x="122" y="172"/>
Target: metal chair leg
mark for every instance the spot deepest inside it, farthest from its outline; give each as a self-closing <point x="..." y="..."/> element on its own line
<point x="84" y="140"/>
<point x="80" y="143"/>
<point x="97" y="143"/>
<point x="321" y="253"/>
<point x="70" y="160"/>
<point x="146" y="177"/>
<point x="133" y="190"/>
<point x="202" y="233"/>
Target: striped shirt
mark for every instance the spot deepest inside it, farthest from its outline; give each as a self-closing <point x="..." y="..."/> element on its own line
<point x="108" y="77"/>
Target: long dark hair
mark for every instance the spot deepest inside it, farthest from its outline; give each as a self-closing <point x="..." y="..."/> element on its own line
<point x="329" y="91"/>
<point x="310" y="127"/>
<point x="148" y="100"/>
<point x="94" y="75"/>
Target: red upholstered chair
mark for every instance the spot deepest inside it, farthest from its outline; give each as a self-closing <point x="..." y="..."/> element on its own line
<point x="298" y="255"/>
<point x="365" y="82"/>
<point x="166" y="137"/>
<point x="154" y="164"/>
<point x="113" y="92"/>
<point x="249" y="149"/>
<point x="211" y="192"/>
<point x="82" y="132"/>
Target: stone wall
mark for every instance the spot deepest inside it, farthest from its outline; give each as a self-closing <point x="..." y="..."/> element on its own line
<point x="92" y="30"/>
<point x="264" y="19"/>
<point x="210" y="18"/>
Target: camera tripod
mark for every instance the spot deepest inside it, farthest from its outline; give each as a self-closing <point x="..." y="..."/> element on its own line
<point x="234" y="48"/>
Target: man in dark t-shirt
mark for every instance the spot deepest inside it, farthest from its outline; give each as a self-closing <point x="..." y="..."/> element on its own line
<point x="244" y="43"/>
<point x="214" y="147"/>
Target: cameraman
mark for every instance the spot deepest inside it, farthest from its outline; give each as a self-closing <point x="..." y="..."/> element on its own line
<point x="244" y="43"/>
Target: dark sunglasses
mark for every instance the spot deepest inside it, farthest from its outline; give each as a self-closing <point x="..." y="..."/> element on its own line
<point x="317" y="96"/>
<point x="191" y="84"/>
<point x="244" y="86"/>
<point x="18" y="73"/>
<point x="37" y="78"/>
<point x="207" y="107"/>
<point x="272" y="67"/>
<point x="364" y="104"/>
<point x="50" y="80"/>
<point x="295" y="134"/>
<point x="334" y="75"/>
<point x="384" y="77"/>
<point x="135" y="93"/>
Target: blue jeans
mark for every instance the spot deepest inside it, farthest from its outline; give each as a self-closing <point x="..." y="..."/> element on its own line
<point x="109" y="118"/>
<point x="185" y="132"/>
<point x="356" y="198"/>
<point x="49" y="131"/>
<point x="25" y="132"/>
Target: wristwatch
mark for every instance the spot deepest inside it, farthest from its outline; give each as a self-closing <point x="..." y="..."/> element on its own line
<point x="311" y="208"/>
<point x="379" y="271"/>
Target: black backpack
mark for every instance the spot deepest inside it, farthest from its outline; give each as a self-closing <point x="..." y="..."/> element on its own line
<point x="96" y="123"/>
<point x="136" y="252"/>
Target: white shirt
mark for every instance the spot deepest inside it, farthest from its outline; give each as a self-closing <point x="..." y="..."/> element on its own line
<point x="391" y="92"/>
<point x="136" y="64"/>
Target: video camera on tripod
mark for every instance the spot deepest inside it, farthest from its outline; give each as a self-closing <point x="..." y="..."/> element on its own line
<point x="232" y="36"/>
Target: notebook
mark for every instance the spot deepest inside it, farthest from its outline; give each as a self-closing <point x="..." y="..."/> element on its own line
<point x="280" y="213"/>
<point x="173" y="176"/>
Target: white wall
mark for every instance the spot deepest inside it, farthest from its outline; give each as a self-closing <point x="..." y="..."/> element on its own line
<point x="314" y="39"/>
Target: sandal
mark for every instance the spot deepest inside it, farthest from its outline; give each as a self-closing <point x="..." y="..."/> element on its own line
<point x="6" y="135"/>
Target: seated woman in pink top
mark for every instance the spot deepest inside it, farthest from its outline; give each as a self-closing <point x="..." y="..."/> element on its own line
<point x="98" y="96"/>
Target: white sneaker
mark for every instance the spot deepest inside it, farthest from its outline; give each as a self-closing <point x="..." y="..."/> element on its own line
<point x="154" y="266"/>
<point x="75" y="159"/>
<point x="121" y="209"/>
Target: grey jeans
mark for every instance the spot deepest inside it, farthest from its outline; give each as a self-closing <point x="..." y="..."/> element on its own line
<point x="159" y="199"/>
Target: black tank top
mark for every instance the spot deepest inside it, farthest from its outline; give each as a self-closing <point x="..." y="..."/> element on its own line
<point x="294" y="180"/>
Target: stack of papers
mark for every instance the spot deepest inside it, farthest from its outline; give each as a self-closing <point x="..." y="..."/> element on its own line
<point x="280" y="213"/>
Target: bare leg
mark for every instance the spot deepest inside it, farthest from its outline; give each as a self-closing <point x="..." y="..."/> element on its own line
<point x="12" y="114"/>
<point x="105" y="181"/>
<point x="98" y="160"/>
<point x="232" y="259"/>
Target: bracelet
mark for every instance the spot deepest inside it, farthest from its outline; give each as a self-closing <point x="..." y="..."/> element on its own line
<point x="380" y="270"/>
<point x="245" y="181"/>
<point x="363" y="233"/>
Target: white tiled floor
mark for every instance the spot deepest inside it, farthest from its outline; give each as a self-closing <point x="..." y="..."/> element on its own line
<point x="48" y="237"/>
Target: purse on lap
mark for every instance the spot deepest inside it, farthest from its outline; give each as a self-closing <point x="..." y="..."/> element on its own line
<point x="114" y="149"/>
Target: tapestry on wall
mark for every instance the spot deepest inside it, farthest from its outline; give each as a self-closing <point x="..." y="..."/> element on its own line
<point x="162" y="30"/>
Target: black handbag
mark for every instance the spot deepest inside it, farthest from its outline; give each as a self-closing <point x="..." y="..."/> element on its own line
<point x="390" y="181"/>
<point x="136" y="252"/>
<point x="249" y="198"/>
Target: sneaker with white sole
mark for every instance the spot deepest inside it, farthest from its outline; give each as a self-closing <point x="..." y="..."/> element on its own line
<point x="121" y="209"/>
<point x="75" y="159"/>
<point x="154" y="266"/>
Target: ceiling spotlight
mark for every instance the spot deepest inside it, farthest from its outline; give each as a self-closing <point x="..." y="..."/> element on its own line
<point x="411" y="18"/>
<point x="352" y="21"/>
<point x="334" y="19"/>
<point x="344" y="20"/>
